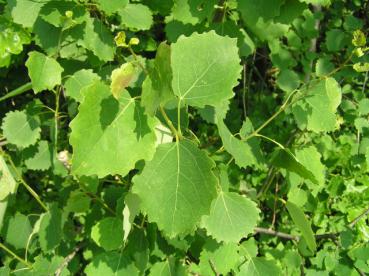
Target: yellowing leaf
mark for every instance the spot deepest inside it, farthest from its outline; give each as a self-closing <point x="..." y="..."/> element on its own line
<point x="123" y="77"/>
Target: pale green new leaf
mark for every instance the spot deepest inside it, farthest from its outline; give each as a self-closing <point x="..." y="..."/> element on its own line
<point x="223" y="257"/>
<point x="317" y="110"/>
<point x="205" y="68"/>
<point x="136" y="17"/>
<point x="231" y="218"/>
<point x="38" y="157"/>
<point x="176" y="187"/>
<point x="259" y="266"/>
<point x="303" y="224"/>
<point x="108" y="233"/>
<point x="109" y="136"/>
<point x="45" y="72"/>
<point x="78" y="81"/>
<point x="20" y="129"/>
<point x="111" y="264"/>
<point x="19" y="229"/>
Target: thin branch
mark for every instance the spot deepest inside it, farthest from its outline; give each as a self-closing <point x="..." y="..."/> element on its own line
<point x="67" y="260"/>
<point x="260" y="230"/>
<point x="359" y="217"/>
<point x="15" y="256"/>
<point x="212" y="265"/>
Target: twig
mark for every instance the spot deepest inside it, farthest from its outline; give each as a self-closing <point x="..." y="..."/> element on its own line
<point x="170" y="124"/>
<point x="213" y="268"/>
<point x="356" y="220"/>
<point x="67" y="260"/>
<point x="15" y="255"/>
<point x="260" y="230"/>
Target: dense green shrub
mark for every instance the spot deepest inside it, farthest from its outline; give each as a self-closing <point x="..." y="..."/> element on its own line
<point x="184" y="137"/>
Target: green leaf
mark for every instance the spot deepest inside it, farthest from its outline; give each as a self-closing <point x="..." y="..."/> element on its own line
<point x="20" y="129"/>
<point x="111" y="6"/>
<point x="136" y="17"/>
<point x="78" y="202"/>
<point x="205" y="67"/>
<point x="288" y="80"/>
<point x="245" y="153"/>
<point x="123" y="77"/>
<point x="358" y="39"/>
<point x="322" y="97"/>
<point x="176" y="187"/>
<point x="108" y="233"/>
<point x="157" y="87"/>
<point x="110" y="264"/>
<point x="8" y="186"/>
<point x="169" y="267"/>
<point x="223" y="257"/>
<point x="238" y="214"/>
<point x="96" y="38"/>
<point x="283" y="158"/>
<point x="335" y="40"/>
<point x="38" y="157"/>
<point x="19" y="229"/>
<point x="45" y="72"/>
<point x="79" y="80"/>
<point x="258" y="266"/>
<point x="51" y="229"/>
<point x="130" y="211"/>
<point x="25" y="12"/>
<point x="361" y="67"/>
<point x="109" y="136"/>
<point x="303" y="224"/>
<point x="252" y="11"/>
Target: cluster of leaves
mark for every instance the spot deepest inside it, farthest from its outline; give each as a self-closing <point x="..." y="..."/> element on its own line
<point x="184" y="137"/>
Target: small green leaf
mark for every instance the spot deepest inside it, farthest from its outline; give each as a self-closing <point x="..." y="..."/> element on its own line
<point x="303" y="224"/>
<point x="51" y="229"/>
<point x="79" y="80"/>
<point x="111" y="6"/>
<point x="38" y="157"/>
<point x="136" y="17"/>
<point x="108" y="233"/>
<point x="19" y="229"/>
<point x="45" y="72"/>
<point x="21" y="129"/>
<point x="258" y="266"/>
<point x="237" y="213"/>
<point x="361" y="67"/>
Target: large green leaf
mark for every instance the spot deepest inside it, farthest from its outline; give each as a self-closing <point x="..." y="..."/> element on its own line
<point x="303" y="224"/>
<point x="109" y="136"/>
<point x="111" y="6"/>
<point x="176" y="187"/>
<point x="25" y="12"/>
<point x="231" y="218"/>
<point x="205" y="67"/>
<point x="317" y="111"/>
<point x="45" y="72"/>
<point x="38" y="157"/>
